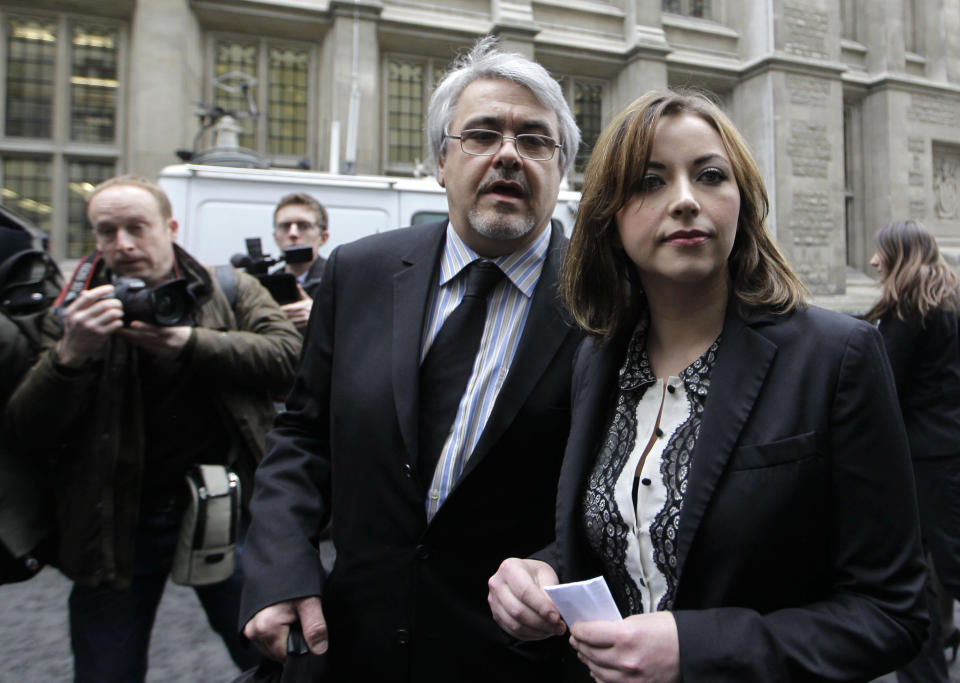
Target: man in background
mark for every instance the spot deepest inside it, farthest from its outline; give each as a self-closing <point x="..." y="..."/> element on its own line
<point x="301" y="221"/>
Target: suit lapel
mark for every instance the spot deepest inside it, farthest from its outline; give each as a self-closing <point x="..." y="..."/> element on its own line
<point x="544" y="332"/>
<point x="594" y="392"/>
<point x="743" y="359"/>
<point x="411" y="292"/>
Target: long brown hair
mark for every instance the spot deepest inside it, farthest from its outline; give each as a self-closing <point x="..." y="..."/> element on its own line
<point x="597" y="278"/>
<point x="916" y="279"/>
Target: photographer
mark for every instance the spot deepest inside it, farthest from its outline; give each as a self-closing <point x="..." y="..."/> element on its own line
<point x="300" y="220"/>
<point x="124" y="407"/>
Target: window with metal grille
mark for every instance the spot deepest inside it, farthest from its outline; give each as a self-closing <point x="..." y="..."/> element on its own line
<point x="587" y="102"/>
<point x="585" y="98"/>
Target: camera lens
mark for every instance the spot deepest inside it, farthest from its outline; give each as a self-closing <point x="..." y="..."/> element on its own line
<point x="169" y="306"/>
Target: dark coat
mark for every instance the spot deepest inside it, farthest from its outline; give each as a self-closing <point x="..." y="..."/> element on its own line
<point x="311" y="283"/>
<point x="798" y="547"/>
<point x="926" y="367"/>
<point x="406" y="600"/>
<point x="88" y="420"/>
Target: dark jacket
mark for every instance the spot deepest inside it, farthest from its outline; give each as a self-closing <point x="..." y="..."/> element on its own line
<point x="926" y="367"/>
<point x="88" y="421"/>
<point x="798" y="543"/>
<point x="407" y="600"/>
<point x="311" y="283"/>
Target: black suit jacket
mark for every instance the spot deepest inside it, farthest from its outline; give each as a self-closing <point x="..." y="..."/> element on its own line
<point x="926" y="367"/>
<point x="406" y="600"/>
<point x="311" y="283"/>
<point x="798" y="543"/>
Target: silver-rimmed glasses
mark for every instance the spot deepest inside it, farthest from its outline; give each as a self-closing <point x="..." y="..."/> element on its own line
<point x="485" y="143"/>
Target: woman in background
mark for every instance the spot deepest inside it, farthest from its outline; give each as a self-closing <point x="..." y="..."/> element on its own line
<point x="917" y="317"/>
<point x="737" y="468"/>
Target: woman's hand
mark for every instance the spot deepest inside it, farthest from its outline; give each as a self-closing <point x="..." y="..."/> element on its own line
<point x="519" y="603"/>
<point x="642" y="648"/>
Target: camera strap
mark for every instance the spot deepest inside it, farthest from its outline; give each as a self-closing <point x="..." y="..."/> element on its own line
<point x="79" y="281"/>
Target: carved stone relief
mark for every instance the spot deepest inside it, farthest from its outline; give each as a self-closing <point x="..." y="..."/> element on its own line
<point x="946" y="180"/>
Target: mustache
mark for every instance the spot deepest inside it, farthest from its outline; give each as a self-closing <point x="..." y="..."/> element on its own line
<point x="505" y="175"/>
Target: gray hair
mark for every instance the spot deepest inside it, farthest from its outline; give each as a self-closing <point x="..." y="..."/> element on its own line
<point x="485" y="61"/>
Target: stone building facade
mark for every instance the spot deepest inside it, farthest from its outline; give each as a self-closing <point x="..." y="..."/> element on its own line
<point x="852" y="107"/>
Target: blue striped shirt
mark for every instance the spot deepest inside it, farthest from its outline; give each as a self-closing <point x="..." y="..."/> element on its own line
<point x="507" y="309"/>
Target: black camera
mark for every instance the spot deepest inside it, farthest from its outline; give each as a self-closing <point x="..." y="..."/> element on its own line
<point x="168" y="304"/>
<point x="282" y="286"/>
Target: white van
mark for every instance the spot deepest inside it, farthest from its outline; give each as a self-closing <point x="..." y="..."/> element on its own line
<point x="219" y="207"/>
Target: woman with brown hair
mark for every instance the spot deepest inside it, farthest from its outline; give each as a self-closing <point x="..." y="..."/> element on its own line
<point x="736" y="468"/>
<point x="917" y="317"/>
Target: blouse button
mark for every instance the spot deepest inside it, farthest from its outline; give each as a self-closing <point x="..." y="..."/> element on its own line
<point x="658" y="432"/>
<point x="645" y="481"/>
<point x="671" y="388"/>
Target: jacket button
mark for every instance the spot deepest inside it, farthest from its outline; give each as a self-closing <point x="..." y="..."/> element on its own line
<point x="408" y="470"/>
<point x="403" y="636"/>
<point x="423" y="552"/>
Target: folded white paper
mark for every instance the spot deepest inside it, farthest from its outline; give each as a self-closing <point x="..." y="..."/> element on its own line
<point x="588" y="600"/>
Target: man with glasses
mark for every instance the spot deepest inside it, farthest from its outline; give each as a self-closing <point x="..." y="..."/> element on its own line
<point x="431" y="409"/>
<point x="301" y="221"/>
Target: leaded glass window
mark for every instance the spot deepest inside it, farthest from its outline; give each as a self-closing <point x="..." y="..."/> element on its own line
<point x="93" y="84"/>
<point x="287" y="112"/>
<point x="405" y="100"/>
<point x="26" y="188"/>
<point x="31" y="76"/>
<point x="82" y="176"/>
<point x="234" y="57"/>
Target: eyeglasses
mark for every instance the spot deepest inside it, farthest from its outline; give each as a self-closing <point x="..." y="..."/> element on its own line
<point x="302" y="226"/>
<point x="485" y="143"/>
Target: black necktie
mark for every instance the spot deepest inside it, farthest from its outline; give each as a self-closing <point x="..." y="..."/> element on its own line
<point x="446" y="370"/>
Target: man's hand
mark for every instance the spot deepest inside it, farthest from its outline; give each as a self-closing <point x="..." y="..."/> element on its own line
<point x="299" y="311"/>
<point x="519" y="603"/>
<point x="268" y="629"/>
<point x="640" y="649"/>
<point x="160" y="340"/>
<point x="87" y="324"/>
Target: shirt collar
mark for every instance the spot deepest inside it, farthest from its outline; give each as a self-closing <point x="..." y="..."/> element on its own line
<point x="522" y="267"/>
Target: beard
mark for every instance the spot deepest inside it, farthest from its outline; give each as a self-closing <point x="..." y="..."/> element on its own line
<point x="501" y="226"/>
<point x="498" y="224"/>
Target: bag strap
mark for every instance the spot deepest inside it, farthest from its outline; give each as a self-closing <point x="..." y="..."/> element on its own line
<point x="227" y="279"/>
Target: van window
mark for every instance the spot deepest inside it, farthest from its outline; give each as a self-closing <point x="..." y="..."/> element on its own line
<point x="421" y="217"/>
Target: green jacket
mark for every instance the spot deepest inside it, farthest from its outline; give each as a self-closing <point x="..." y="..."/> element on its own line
<point x="87" y="423"/>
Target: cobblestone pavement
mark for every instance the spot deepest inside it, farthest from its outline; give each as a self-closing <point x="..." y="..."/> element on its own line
<point x="35" y="640"/>
<point x="35" y="645"/>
